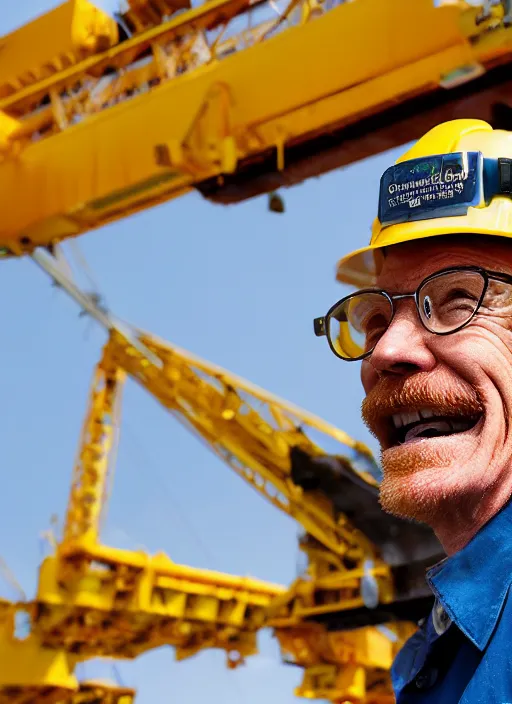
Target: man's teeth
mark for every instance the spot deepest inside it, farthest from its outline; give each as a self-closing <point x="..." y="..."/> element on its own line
<point x="400" y="419"/>
<point x="423" y="422"/>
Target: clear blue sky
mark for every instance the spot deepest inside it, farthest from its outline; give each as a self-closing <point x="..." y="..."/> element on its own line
<point x="238" y="286"/>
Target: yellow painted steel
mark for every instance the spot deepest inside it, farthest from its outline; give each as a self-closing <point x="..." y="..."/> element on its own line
<point x="344" y="666"/>
<point x="91" y="692"/>
<point x="52" y="43"/>
<point x="139" y="15"/>
<point x="90" y="482"/>
<point x="29" y="672"/>
<point x="103" y="138"/>
<point x="100" y="601"/>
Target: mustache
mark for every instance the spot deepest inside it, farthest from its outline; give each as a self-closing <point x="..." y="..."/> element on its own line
<point x="450" y="397"/>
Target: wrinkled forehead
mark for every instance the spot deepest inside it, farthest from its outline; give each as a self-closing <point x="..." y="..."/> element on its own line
<point x="404" y="266"/>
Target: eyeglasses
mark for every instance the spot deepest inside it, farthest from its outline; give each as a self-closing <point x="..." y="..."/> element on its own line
<point x="445" y="302"/>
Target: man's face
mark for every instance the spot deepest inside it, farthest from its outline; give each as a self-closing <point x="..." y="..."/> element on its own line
<point x="452" y="394"/>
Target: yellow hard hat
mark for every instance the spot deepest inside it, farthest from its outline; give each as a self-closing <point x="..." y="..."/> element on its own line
<point x="456" y="179"/>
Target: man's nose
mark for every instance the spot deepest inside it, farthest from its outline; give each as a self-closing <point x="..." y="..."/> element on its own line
<point x="403" y="348"/>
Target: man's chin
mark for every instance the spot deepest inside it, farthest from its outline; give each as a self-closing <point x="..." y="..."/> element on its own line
<point x="406" y="497"/>
<point x="421" y="478"/>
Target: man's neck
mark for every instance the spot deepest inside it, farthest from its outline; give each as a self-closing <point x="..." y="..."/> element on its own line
<point x="456" y="527"/>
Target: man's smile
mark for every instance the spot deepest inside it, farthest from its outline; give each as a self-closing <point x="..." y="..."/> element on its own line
<point x="400" y="412"/>
<point x="425" y="423"/>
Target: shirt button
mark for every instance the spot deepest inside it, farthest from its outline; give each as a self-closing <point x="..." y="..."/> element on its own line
<point x="426" y="679"/>
<point x="440" y="619"/>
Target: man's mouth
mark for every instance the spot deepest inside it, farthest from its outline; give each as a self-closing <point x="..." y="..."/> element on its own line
<point x="426" y="423"/>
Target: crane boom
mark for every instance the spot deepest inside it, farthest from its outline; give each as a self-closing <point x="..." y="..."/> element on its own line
<point x="266" y="97"/>
<point x="89" y="486"/>
<point x="253" y="431"/>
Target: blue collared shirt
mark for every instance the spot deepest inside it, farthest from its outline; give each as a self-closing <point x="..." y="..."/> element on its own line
<point x="463" y="650"/>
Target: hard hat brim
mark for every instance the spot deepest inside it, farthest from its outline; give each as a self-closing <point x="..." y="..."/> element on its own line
<point x="361" y="267"/>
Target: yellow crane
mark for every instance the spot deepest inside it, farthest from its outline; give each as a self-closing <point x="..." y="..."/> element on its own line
<point x="103" y="117"/>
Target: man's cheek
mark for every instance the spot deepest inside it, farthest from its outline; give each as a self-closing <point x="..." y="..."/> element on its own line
<point x="487" y="365"/>
<point x="485" y="362"/>
<point x="475" y="359"/>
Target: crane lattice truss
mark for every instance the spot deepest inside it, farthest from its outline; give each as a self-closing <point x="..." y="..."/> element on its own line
<point x="342" y="621"/>
<point x="102" y="118"/>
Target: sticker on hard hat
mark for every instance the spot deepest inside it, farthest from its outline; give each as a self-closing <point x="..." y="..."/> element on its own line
<point x="431" y="187"/>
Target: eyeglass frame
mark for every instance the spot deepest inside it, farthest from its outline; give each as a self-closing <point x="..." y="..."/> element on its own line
<point x="320" y="325"/>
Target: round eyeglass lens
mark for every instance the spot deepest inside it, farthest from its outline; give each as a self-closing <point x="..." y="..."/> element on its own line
<point x="448" y="301"/>
<point x="358" y="322"/>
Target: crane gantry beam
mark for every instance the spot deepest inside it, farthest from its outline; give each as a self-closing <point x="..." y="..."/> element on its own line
<point x="230" y="97"/>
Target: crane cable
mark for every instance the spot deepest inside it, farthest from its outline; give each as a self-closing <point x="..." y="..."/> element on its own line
<point x="80" y="259"/>
<point x="9" y="577"/>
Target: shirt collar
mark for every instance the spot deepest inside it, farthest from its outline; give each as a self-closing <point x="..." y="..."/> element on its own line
<point x="473" y="583"/>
